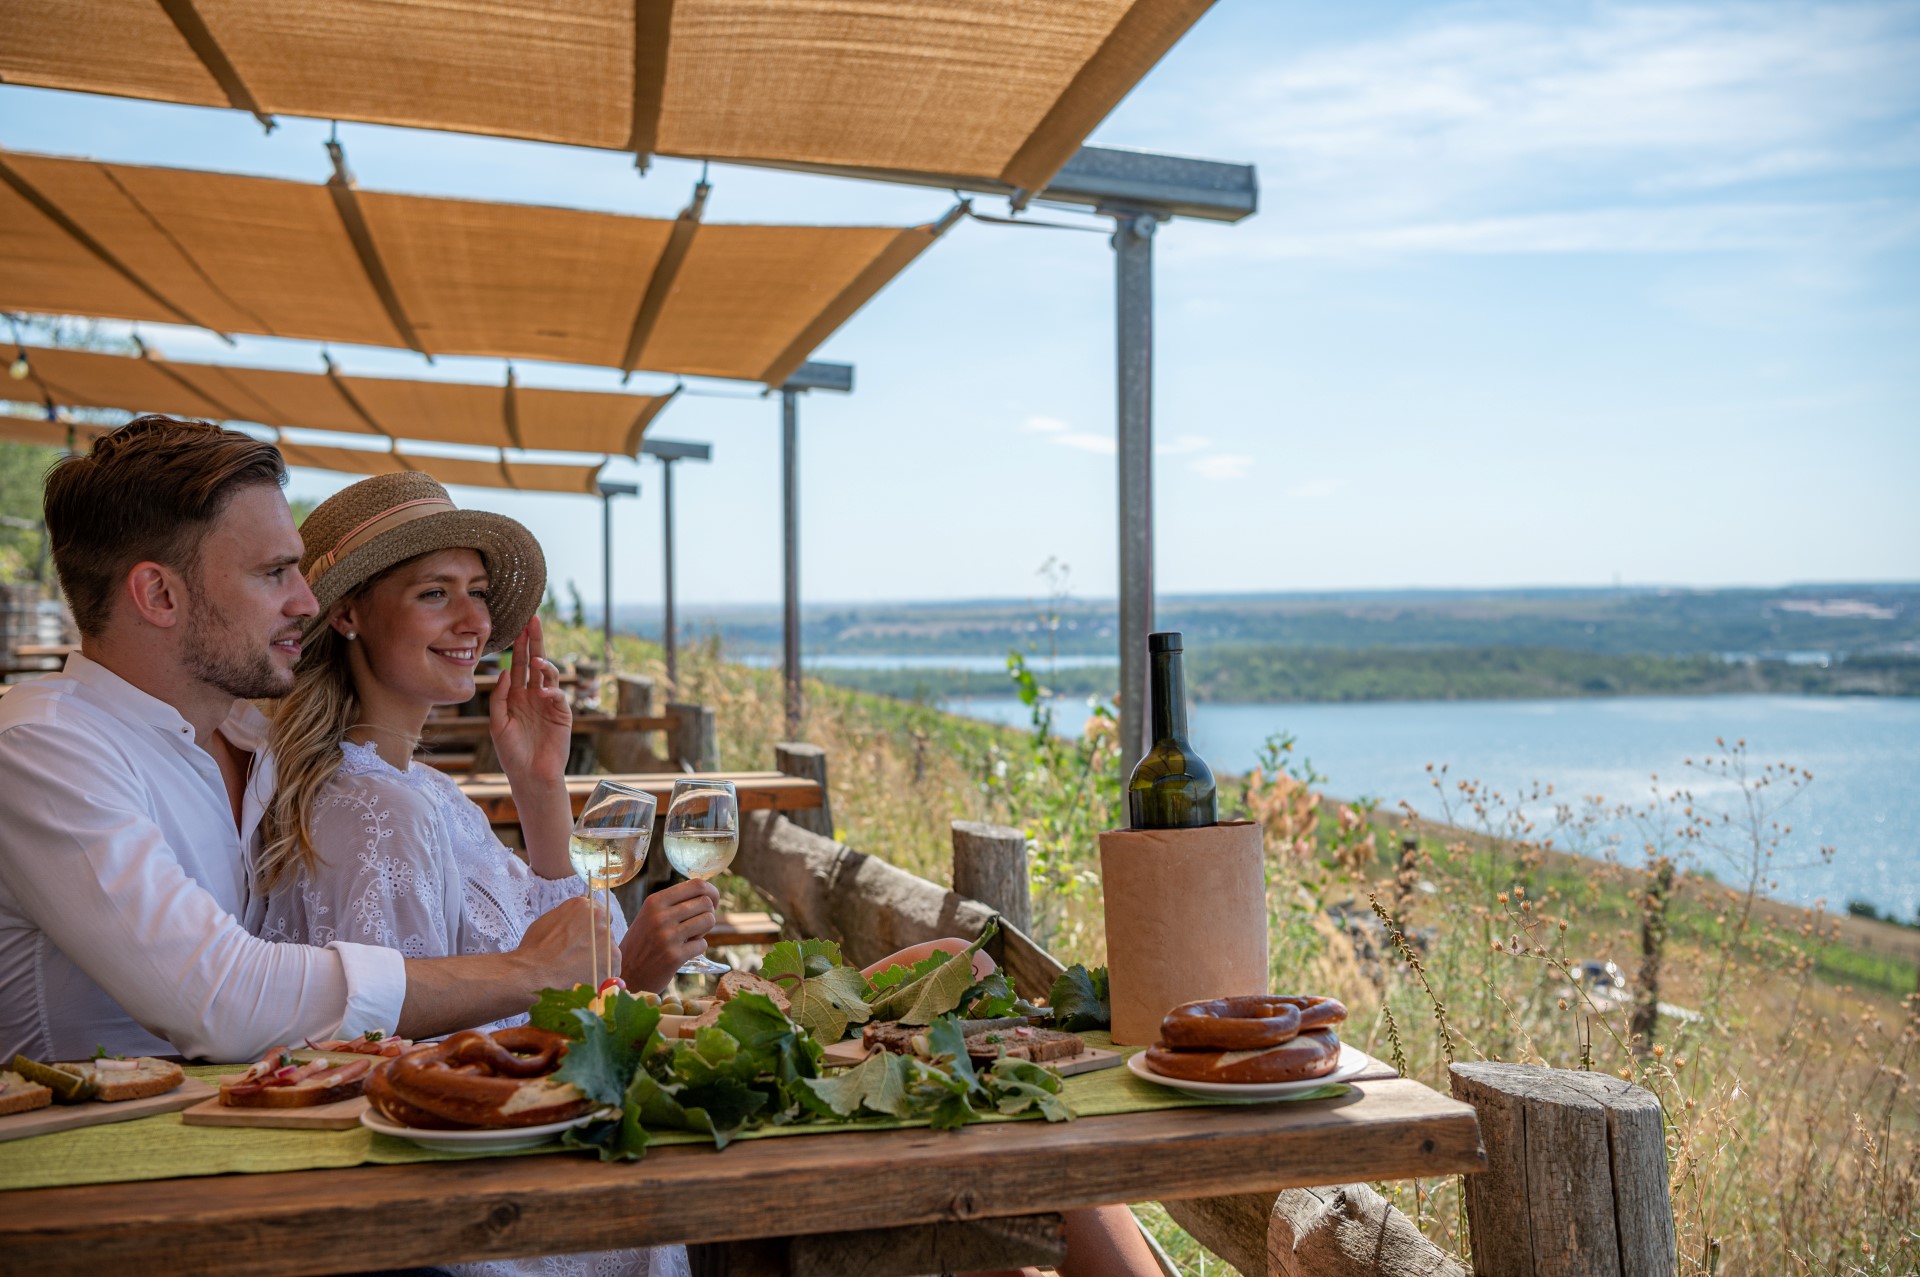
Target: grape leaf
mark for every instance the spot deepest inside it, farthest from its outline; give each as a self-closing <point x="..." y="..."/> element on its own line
<point x="1080" y="999"/>
<point x="609" y="1048"/>
<point x="555" y="1007"/>
<point x="878" y="1084"/>
<point x="929" y="996"/>
<point x="823" y="1005"/>
<point x="621" y="1139"/>
<point x="897" y="975"/>
<point x="1019" y="1085"/>
<point x="769" y="1041"/>
<point x="717" y="1109"/>
<point x="990" y="999"/>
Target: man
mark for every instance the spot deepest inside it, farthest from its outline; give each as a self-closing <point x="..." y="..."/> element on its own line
<point x="131" y="785"/>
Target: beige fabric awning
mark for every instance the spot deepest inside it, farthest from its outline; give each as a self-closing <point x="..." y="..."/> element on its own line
<point x="336" y="263"/>
<point x="503" y="473"/>
<point x="509" y="416"/>
<point x="993" y="90"/>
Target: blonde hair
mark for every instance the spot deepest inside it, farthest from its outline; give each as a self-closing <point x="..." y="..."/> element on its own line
<point x="308" y="725"/>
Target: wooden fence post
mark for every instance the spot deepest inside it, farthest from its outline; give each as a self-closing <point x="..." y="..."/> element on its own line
<point x="691" y="744"/>
<point x="630" y="751"/>
<point x="990" y="865"/>
<point x="1576" y="1178"/>
<point x="1347" y="1230"/>
<point x="809" y="762"/>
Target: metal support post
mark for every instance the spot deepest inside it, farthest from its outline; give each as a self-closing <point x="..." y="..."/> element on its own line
<point x="608" y="491"/>
<point x="1133" y="313"/>
<point x="790" y="523"/>
<point x="668" y="634"/>
<point x="606" y="581"/>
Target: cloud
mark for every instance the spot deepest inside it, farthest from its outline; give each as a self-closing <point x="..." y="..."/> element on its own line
<point x="1222" y="466"/>
<point x="1499" y="128"/>
<point x="1181" y="446"/>
<point x="1045" y="425"/>
<point x="1085" y="442"/>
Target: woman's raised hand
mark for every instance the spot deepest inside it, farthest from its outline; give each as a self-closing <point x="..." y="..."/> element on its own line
<point x="532" y="722"/>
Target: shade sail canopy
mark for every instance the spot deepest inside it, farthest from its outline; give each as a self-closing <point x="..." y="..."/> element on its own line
<point x="508" y="416"/>
<point x="1002" y="91"/>
<point x="335" y="263"/>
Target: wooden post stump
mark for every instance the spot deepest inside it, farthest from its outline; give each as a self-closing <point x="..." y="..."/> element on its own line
<point x="809" y="762"/>
<point x="691" y="743"/>
<point x="1576" y="1179"/>
<point x="990" y="865"/>
<point x="1344" y="1231"/>
<point x="630" y="751"/>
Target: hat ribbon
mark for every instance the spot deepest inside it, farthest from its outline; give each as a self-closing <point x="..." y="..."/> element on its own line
<point x="378" y="526"/>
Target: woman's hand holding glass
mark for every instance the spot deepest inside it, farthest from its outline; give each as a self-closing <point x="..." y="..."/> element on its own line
<point x="532" y="723"/>
<point x="670" y="929"/>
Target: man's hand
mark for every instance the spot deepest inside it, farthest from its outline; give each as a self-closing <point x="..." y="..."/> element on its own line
<point x="670" y="928"/>
<point x="556" y="950"/>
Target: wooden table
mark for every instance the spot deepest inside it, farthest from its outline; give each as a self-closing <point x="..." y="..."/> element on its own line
<point x="332" y="1221"/>
<point x="757" y="791"/>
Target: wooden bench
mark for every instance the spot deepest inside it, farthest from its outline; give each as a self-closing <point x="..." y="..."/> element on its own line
<point x="736" y="927"/>
<point x="758" y="791"/>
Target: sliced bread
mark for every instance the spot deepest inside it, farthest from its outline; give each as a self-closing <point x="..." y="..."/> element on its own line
<point x="17" y="1095"/>
<point x="735" y="983"/>
<point x="137" y="1079"/>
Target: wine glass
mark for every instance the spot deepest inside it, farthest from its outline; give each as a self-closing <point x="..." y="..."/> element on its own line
<point x="608" y="846"/>
<point x="703" y="832"/>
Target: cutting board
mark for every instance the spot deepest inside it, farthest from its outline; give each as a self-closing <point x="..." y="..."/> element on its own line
<point x="67" y="1117"/>
<point x="852" y="1051"/>
<point x="341" y="1115"/>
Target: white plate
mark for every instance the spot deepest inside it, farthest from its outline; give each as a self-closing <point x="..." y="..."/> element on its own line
<point x="491" y="1139"/>
<point x="1352" y="1062"/>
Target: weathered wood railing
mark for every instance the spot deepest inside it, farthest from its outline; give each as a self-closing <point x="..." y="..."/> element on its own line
<point x="1577" y="1184"/>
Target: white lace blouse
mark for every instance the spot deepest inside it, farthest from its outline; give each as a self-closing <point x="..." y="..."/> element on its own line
<point x="409" y="862"/>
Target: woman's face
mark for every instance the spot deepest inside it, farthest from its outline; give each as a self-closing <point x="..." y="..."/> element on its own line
<point x="422" y="626"/>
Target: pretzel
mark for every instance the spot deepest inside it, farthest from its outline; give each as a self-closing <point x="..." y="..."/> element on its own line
<point x="476" y="1079"/>
<point x="1312" y="1054"/>
<point x="1231" y="1024"/>
<point x="1316" y="1012"/>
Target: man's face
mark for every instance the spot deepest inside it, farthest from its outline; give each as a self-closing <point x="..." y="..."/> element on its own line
<point x="248" y="601"/>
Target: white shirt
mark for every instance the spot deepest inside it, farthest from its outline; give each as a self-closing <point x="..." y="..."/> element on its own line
<point x="123" y="882"/>
<point x="405" y="860"/>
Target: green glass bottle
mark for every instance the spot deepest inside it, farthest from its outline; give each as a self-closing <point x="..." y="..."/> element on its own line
<point x="1172" y="787"/>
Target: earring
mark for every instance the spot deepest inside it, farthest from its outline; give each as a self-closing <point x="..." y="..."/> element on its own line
<point x="352" y="635"/>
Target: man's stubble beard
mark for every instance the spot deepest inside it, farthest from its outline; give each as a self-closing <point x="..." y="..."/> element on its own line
<point x="219" y="655"/>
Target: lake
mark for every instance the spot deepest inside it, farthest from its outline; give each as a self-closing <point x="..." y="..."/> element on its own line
<point x="1864" y="753"/>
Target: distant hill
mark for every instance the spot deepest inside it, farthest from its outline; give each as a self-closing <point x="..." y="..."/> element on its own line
<point x="1801" y="621"/>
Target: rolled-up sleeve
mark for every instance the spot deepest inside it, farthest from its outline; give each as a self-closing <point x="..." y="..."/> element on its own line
<point x="94" y="871"/>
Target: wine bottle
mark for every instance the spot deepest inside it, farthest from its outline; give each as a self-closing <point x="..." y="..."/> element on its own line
<point x="1172" y="787"/>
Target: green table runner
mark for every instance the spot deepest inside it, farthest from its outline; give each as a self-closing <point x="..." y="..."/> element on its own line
<point x="163" y="1147"/>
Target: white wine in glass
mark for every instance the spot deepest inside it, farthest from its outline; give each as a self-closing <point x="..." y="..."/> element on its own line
<point x="608" y="846"/>
<point x="702" y="833"/>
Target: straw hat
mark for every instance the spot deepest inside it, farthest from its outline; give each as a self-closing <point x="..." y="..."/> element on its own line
<point x="358" y="533"/>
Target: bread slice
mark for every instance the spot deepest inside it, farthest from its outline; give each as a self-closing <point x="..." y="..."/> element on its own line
<point x="735" y="983"/>
<point x="342" y="1081"/>
<point x="1038" y="1045"/>
<point x="17" y="1095"/>
<point x="148" y="1077"/>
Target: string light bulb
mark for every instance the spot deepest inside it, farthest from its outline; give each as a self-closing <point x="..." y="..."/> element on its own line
<point x="19" y="368"/>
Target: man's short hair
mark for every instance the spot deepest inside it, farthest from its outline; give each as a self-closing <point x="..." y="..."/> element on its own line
<point x="149" y="491"/>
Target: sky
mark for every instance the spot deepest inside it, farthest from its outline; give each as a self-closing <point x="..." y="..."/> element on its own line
<point x="1539" y="294"/>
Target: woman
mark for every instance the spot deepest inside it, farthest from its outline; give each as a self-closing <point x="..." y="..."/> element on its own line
<point x="363" y="844"/>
